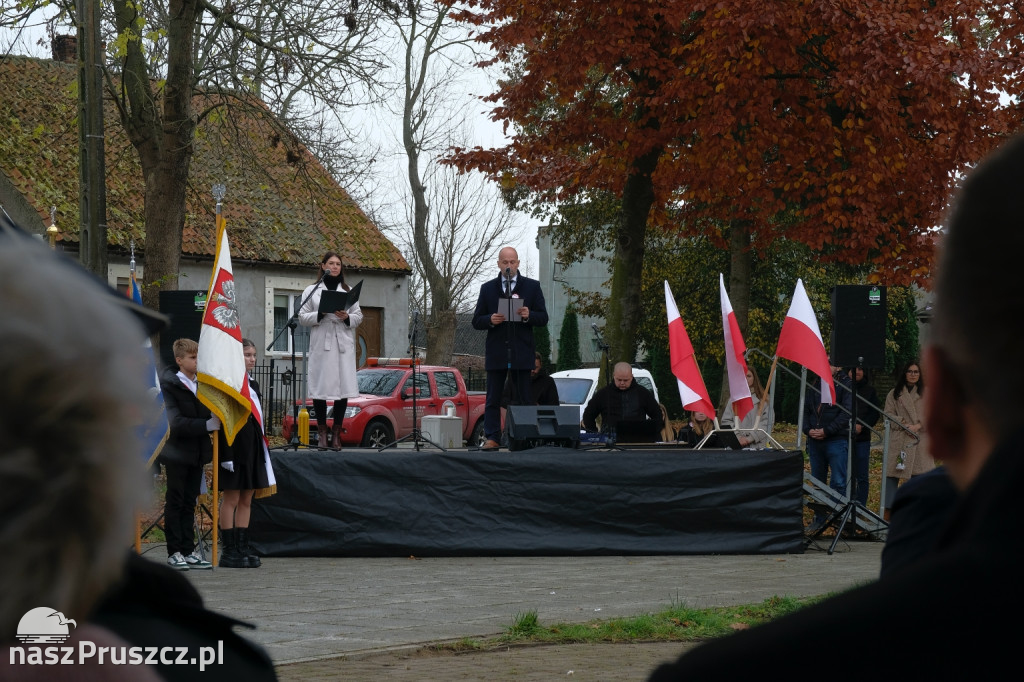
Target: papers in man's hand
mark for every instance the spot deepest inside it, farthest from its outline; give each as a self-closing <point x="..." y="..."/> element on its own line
<point x="511" y="312"/>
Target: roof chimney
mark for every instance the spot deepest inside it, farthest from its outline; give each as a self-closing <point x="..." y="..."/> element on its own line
<point x="65" y="49"/>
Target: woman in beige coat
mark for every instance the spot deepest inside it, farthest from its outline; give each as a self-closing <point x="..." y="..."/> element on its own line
<point x="332" y="357"/>
<point x="762" y="414"/>
<point x="908" y="456"/>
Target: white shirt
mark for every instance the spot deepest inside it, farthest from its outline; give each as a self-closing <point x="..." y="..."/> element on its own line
<point x="191" y="383"/>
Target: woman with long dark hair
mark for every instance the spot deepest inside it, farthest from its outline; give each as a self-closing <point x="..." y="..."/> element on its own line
<point x="908" y="456"/>
<point x="332" y="358"/>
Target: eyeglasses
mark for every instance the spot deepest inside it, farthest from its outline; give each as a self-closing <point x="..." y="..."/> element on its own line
<point x="913" y="371"/>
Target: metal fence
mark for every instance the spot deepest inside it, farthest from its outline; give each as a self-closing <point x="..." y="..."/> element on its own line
<point x="275" y="379"/>
<point x="476" y="379"/>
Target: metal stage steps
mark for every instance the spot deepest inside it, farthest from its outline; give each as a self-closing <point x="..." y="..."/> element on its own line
<point x="822" y="498"/>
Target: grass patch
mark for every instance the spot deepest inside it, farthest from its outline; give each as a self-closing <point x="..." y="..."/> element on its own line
<point x="676" y="623"/>
<point x="462" y="646"/>
<point x="524" y="625"/>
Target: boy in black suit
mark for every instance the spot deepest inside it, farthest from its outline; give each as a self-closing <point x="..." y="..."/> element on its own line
<point x="188" y="449"/>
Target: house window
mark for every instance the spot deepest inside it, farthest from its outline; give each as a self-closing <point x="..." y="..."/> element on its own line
<point x="283" y="296"/>
<point x="285" y="305"/>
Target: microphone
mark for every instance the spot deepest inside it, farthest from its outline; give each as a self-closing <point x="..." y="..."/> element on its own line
<point x="594" y="325"/>
<point x="508" y="272"/>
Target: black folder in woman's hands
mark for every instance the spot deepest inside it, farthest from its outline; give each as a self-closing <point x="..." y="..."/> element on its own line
<point x="333" y="301"/>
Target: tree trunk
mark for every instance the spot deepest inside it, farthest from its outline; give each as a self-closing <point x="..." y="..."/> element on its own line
<point x="440" y="338"/>
<point x="737" y="284"/>
<point x="161" y="130"/>
<point x="624" y="310"/>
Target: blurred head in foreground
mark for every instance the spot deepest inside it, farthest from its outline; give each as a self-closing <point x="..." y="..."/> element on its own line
<point x="71" y="469"/>
<point x="974" y="398"/>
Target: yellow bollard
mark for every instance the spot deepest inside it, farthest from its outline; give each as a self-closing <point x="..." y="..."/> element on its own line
<point x="304" y="425"/>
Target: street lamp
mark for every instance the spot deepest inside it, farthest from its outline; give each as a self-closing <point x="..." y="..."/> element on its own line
<point x="51" y="231"/>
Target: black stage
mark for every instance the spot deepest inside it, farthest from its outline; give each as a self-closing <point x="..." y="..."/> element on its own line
<point x="546" y="501"/>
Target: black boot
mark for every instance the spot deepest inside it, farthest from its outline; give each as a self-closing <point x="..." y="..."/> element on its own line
<point x="230" y="556"/>
<point x="245" y="549"/>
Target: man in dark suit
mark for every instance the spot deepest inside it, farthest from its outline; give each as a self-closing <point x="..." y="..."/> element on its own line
<point x="509" y="307"/>
<point x="941" y="611"/>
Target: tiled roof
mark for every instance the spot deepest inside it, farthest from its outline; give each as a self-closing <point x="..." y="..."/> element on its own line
<point x="282" y="206"/>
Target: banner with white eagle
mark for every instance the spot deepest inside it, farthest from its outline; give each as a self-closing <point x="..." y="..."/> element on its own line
<point x="223" y="382"/>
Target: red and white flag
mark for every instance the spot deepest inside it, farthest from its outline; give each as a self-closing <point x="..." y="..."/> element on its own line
<point x="684" y="365"/>
<point x="223" y="382"/>
<point x="735" y="363"/>
<point x="800" y="341"/>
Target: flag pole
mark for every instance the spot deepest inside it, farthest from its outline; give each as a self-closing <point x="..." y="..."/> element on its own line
<point x="131" y="269"/>
<point x="765" y="391"/>
<point x="219" y="191"/>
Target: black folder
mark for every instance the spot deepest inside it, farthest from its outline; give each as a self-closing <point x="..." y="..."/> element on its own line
<point x="333" y="301"/>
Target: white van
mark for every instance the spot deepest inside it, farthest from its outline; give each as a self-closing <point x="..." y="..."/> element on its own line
<point x="577" y="386"/>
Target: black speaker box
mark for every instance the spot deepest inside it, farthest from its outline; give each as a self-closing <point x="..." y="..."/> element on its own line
<point x="532" y="425"/>
<point x="858" y="326"/>
<point x="185" y="311"/>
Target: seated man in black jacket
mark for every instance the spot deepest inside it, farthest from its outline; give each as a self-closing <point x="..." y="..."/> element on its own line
<point x="625" y="407"/>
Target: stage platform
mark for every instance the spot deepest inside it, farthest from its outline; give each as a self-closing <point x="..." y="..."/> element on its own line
<point x="547" y="501"/>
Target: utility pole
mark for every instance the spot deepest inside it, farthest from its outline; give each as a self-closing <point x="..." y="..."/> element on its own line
<point x="92" y="201"/>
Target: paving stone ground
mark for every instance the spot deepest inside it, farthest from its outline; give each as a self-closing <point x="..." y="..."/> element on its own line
<point x="373" y="618"/>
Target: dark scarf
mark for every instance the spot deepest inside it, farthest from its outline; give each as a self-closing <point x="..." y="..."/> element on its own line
<point x="332" y="282"/>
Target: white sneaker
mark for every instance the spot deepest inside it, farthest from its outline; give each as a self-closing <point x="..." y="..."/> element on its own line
<point x="194" y="560"/>
<point x="177" y="561"/>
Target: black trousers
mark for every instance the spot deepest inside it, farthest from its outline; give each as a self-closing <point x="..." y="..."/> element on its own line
<point x="180" y="506"/>
<point x="495" y="387"/>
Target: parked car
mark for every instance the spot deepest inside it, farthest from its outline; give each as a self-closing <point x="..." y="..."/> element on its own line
<point x="383" y="412"/>
<point x="577" y="386"/>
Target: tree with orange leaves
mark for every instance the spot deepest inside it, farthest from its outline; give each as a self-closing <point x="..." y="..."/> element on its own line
<point x="841" y="125"/>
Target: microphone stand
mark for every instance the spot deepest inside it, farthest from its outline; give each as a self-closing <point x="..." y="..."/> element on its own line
<point x="415" y="434"/>
<point x="293" y="321"/>
<point x="851" y="507"/>
<point x="604" y="348"/>
<point x="515" y="396"/>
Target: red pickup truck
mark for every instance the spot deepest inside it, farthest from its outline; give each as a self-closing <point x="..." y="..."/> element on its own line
<point x="383" y="410"/>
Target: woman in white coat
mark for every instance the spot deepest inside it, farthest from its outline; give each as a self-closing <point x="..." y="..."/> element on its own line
<point x="332" y="357"/>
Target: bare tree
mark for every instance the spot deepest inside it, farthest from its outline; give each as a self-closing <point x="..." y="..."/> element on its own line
<point x="456" y="220"/>
<point x="306" y="59"/>
<point x="466" y="223"/>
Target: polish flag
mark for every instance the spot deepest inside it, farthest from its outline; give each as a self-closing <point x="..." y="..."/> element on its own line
<point x="735" y="364"/>
<point x="800" y="341"/>
<point x="684" y="365"/>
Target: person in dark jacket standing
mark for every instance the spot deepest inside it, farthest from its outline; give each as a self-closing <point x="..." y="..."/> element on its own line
<point x="867" y="417"/>
<point x="509" y="350"/>
<point x="827" y="428"/>
<point x="187" y="450"/>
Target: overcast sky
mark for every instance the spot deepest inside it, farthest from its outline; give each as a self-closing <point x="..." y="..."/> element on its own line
<point x="382" y="126"/>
